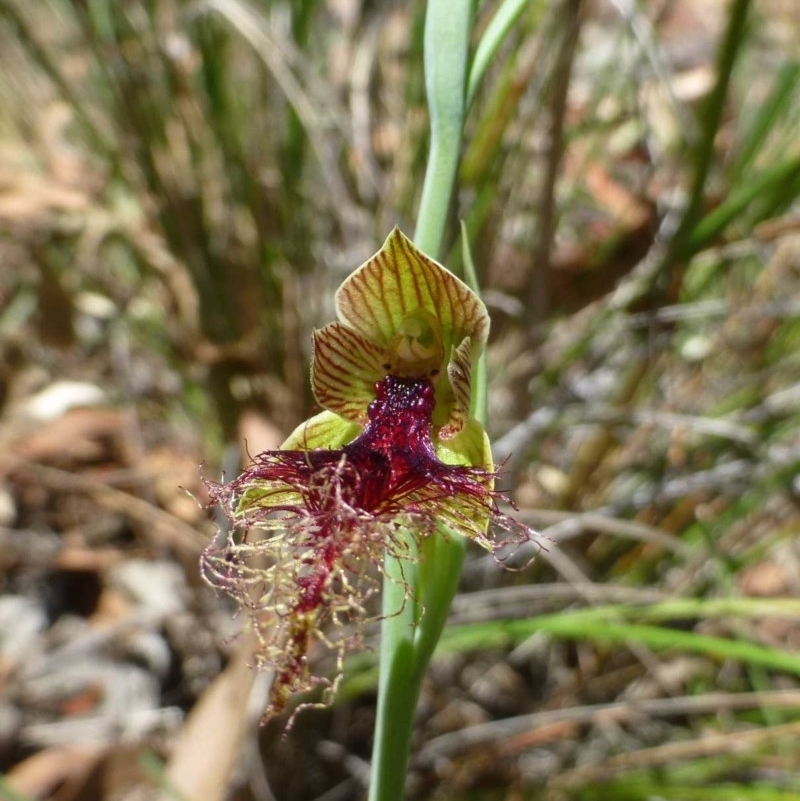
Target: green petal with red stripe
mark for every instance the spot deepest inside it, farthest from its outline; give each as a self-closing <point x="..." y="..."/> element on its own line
<point x="344" y="368"/>
<point x="424" y="322"/>
<point x="398" y="282"/>
<point x="459" y="373"/>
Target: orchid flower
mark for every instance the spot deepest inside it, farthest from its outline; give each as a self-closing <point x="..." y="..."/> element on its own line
<point x="395" y="450"/>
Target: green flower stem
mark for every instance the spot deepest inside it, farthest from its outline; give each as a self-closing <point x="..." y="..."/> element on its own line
<point x="408" y="639"/>
<point x="423" y="592"/>
<point x="398" y="686"/>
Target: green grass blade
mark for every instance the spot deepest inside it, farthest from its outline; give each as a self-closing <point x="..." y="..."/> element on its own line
<point x="589" y="626"/>
<point x="651" y="789"/>
<point x="771" y="184"/>
<point x="711" y="117"/>
<point x="780" y="99"/>
<point x="496" y="31"/>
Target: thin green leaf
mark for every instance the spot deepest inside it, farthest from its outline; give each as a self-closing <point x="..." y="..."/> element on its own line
<point x="774" y="179"/>
<point x="496" y="31"/>
<point x="448" y="26"/>
<point x="780" y="100"/>
<point x="586" y="626"/>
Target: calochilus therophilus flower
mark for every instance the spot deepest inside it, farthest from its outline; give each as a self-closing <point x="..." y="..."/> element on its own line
<point x="395" y="450"/>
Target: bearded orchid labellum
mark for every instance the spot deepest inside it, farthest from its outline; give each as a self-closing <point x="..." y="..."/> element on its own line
<point x="394" y="451"/>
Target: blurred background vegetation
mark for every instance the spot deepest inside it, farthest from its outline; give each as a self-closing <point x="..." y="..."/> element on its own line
<point x="184" y="184"/>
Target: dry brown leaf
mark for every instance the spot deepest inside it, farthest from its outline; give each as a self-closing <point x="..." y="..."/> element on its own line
<point x="79" y="435"/>
<point x="41" y="774"/>
<point x="763" y="580"/>
<point x="627" y="210"/>
<point x="210" y="744"/>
